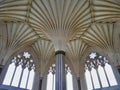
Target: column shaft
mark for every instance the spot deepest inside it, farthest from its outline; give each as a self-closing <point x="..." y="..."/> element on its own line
<point x="60" y="71"/>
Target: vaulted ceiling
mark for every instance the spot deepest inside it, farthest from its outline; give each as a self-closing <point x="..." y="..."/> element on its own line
<point x="45" y="26"/>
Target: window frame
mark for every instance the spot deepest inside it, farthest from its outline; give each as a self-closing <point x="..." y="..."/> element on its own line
<point x="96" y="62"/>
<point x="24" y="62"/>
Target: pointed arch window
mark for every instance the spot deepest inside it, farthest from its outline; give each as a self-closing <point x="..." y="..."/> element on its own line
<point x="8" y="76"/>
<point x="24" y="78"/>
<point x="16" y="77"/>
<point x="30" y="79"/>
<point x="69" y="79"/>
<point x="20" y="72"/>
<point x="98" y="72"/>
<point x="51" y="78"/>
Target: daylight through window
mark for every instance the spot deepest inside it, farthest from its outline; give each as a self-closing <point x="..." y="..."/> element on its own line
<point x="51" y="78"/>
<point x="98" y="72"/>
<point x="20" y="72"/>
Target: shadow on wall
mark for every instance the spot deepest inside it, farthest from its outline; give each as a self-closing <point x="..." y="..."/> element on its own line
<point x="1" y="66"/>
<point x="118" y="67"/>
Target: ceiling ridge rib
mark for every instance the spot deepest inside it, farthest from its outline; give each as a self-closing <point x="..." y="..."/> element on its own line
<point x="28" y="10"/>
<point x="92" y="17"/>
<point x="37" y="33"/>
<point x="40" y="38"/>
<point x="95" y="22"/>
<point x="28" y="16"/>
<point x="92" y="11"/>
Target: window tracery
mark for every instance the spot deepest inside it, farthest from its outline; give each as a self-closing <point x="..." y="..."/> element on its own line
<point x="99" y="72"/>
<point x="51" y="78"/>
<point x="20" y="72"/>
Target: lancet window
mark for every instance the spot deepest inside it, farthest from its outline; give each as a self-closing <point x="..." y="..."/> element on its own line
<point x="98" y="72"/>
<point x="51" y="78"/>
<point x="20" y="72"/>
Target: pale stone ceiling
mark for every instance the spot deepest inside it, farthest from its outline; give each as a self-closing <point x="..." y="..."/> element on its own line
<point x="45" y="26"/>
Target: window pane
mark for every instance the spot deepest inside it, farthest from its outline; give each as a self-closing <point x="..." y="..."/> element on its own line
<point x="49" y="81"/>
<point x="31" y="79"/>
<point x="54" y="83"/>
<point x="9" y="74"/>
<point x="17" y="76"/>
<point x="24" y="78"/>
<point x="102" y="77"/>
<point x="88" y="80"/>
<point x="69" y="81"/>
<point x="95" y="79"/>
<point x="110" y="75"/>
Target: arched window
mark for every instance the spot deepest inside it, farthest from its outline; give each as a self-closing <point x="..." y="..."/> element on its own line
<point x="51" y="78"/>
<point x="20" y="72"/>
<point x="69" y="79"/>
<point x="17" y="75"/>
<point x="8" y="76"/>
<point x="98" y="72"/>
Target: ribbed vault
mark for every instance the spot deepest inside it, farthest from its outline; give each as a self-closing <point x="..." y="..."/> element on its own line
<point x="101" y="35"/>
<point x="44" y="51"/>
<point x="75" y="50"/>
<point x="50" y="25"/>
<point x="14" y="38"/>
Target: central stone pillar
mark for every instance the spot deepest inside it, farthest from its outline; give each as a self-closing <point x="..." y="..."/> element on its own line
<point x="60" y="83"/>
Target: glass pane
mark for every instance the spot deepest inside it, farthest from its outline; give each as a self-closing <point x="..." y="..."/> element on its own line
<point x="9" y="74"/>
<point x="88" y="80"/>
<point x="110" y="75"/>
<point x="92" y="55"/>
<point x="30" y="80"/>
<point x="17" y="76"/>
<point x="54" y="83"/>
<point x="69" y="81"/>
<point x="102" y="77"/>
<point x="24" y="78"/>
<point x="49" y="81"/>
<point x="95" y="78"/>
